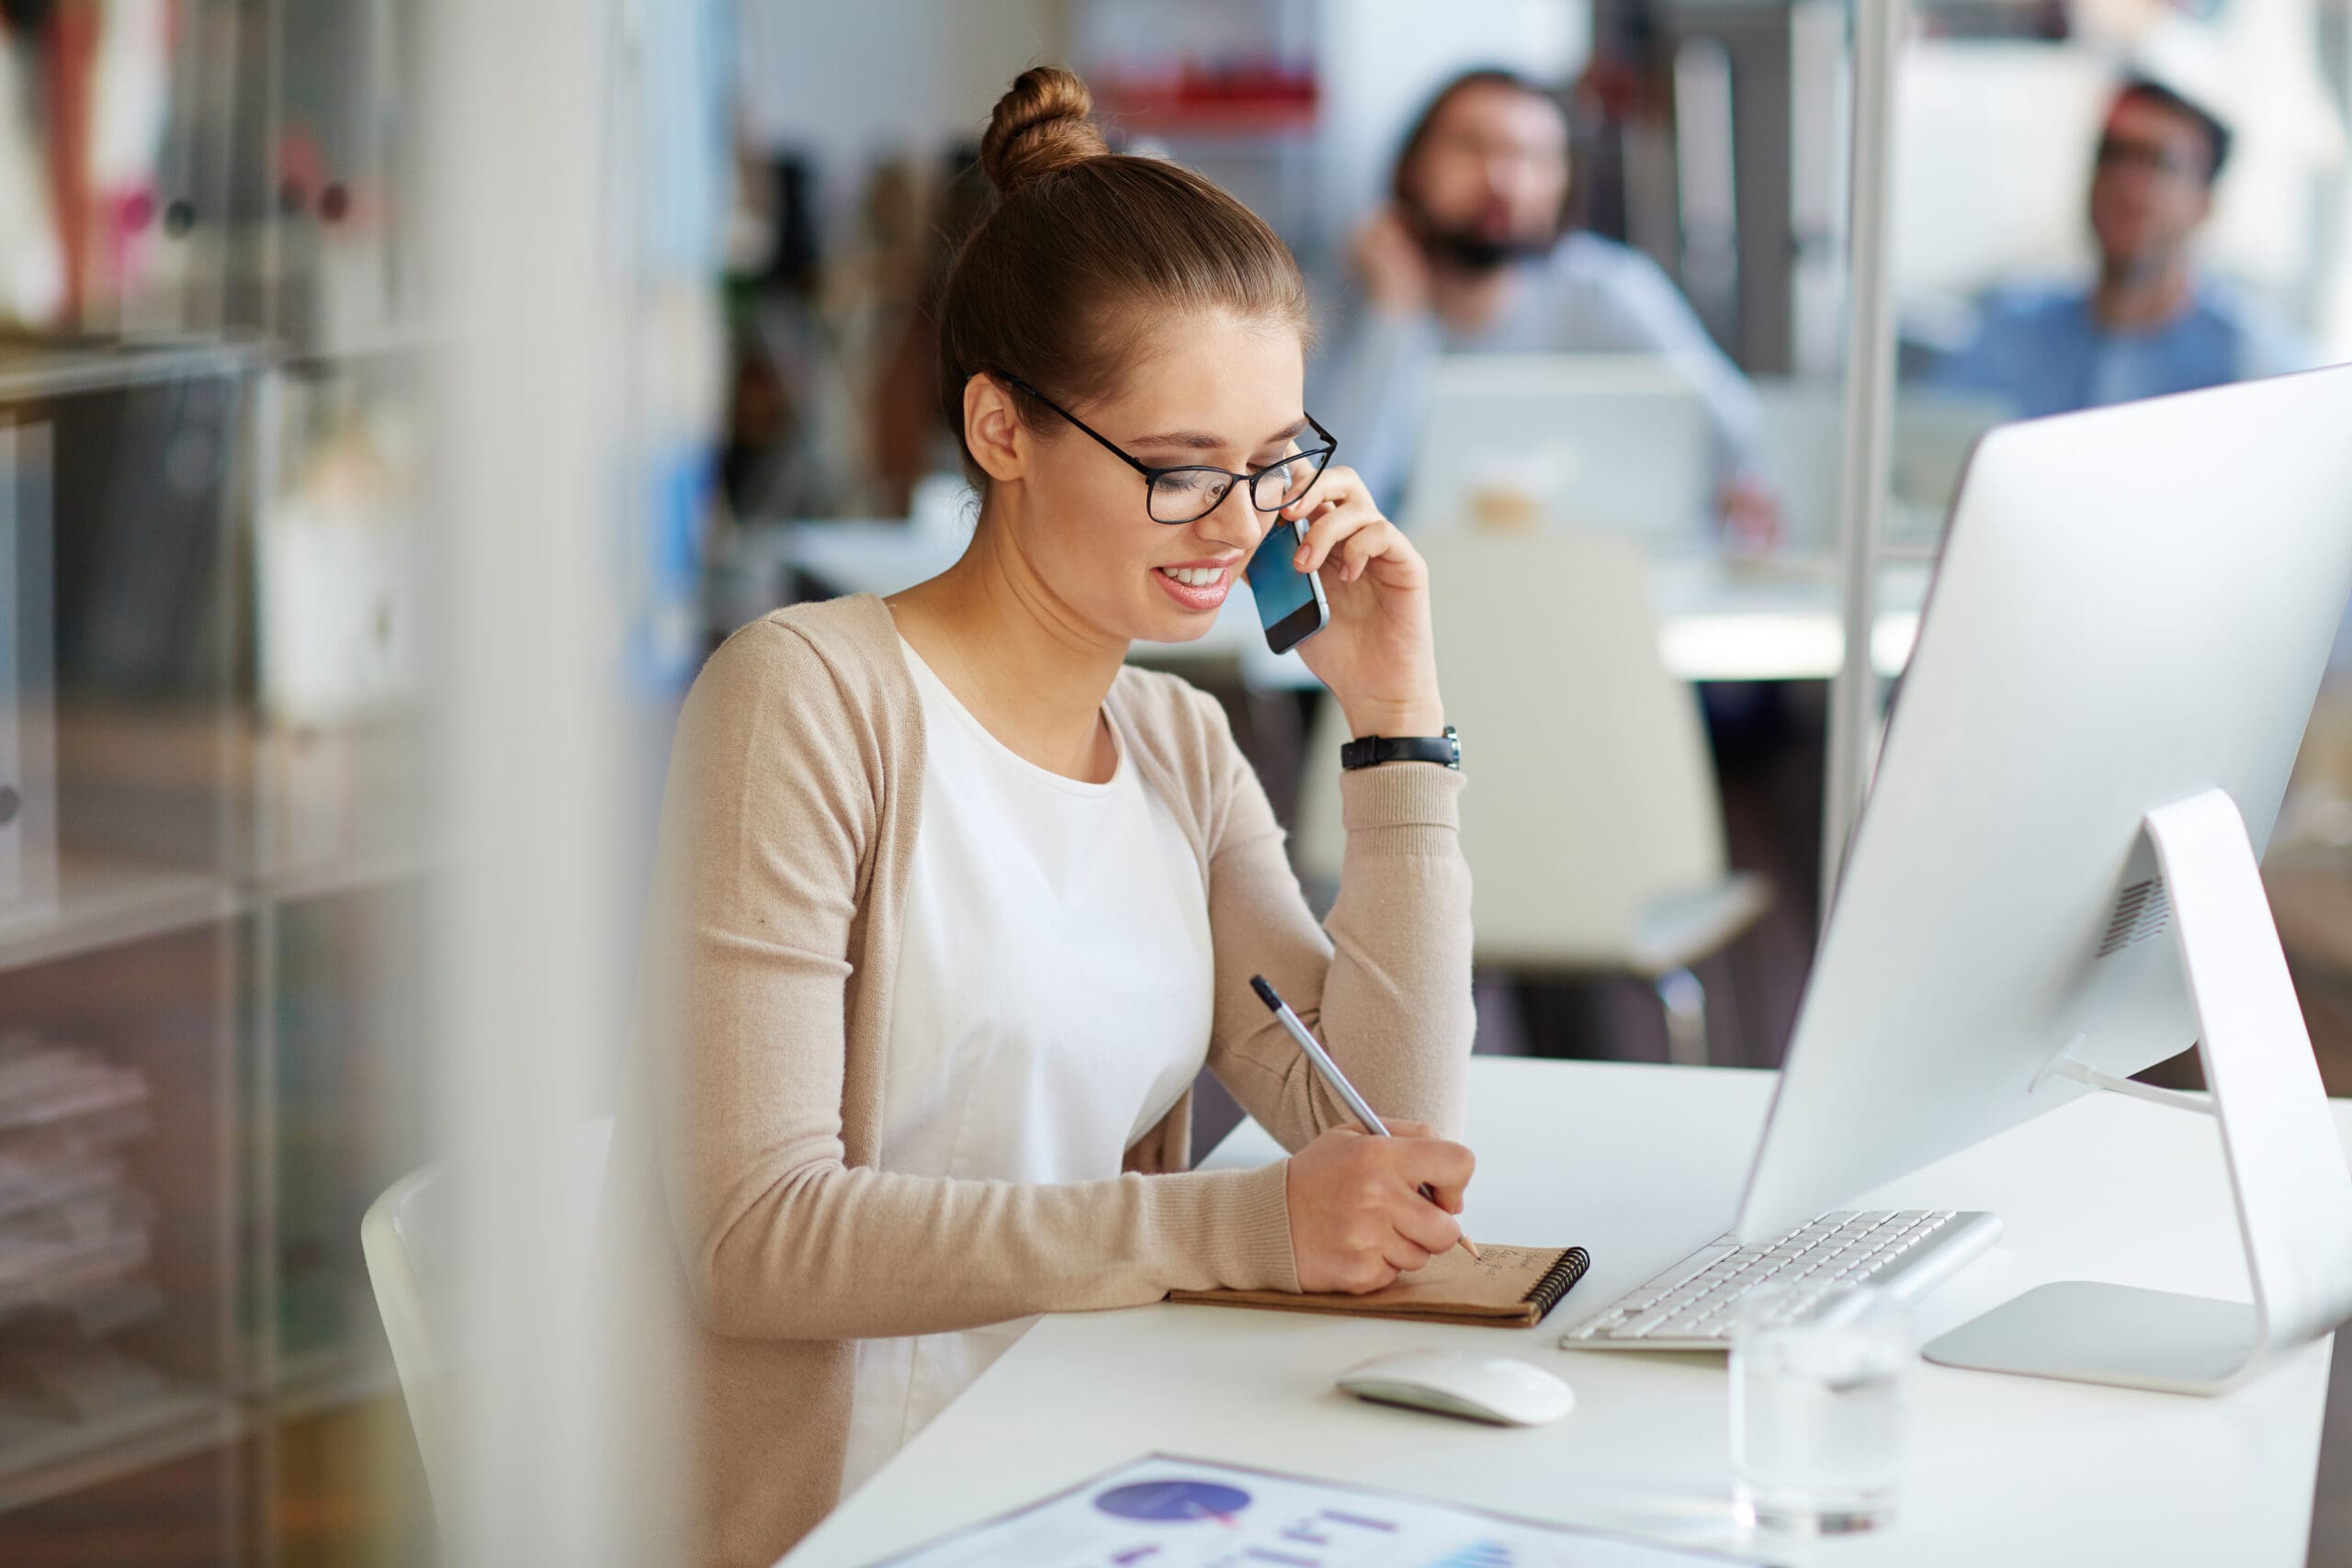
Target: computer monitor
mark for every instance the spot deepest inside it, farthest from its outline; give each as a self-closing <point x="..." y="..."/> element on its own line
<point x="2124" y="638"/>
<point x="1614" y="442"/>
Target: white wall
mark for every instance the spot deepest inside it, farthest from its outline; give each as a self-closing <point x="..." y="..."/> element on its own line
<point x="1993" y="144"/>
<point x="854" y="79"/>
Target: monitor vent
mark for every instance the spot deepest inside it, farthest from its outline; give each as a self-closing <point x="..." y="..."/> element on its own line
<point x="2142" y="912"/>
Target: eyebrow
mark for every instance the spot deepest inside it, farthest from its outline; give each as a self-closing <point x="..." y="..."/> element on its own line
<point x="1204" y="441"/>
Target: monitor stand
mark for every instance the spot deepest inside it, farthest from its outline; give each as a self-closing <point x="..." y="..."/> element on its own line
<point x="2286" y="1165"/>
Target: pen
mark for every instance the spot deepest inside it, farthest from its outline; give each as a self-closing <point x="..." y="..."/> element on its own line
<point x="1334" y="1079"/>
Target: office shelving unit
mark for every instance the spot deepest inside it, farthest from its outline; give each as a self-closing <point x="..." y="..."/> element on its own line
<point x="119" y="1111"/>
<point x="241" y="867"/>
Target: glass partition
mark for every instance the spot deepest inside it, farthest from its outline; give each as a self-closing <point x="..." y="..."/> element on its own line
<point x="2099" y="203"/>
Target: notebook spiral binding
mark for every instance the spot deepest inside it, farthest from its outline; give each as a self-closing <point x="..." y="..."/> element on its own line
<point x="1545" y="1293"/>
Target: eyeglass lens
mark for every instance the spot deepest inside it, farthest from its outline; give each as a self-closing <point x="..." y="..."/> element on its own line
<point x="1184" y="495"/>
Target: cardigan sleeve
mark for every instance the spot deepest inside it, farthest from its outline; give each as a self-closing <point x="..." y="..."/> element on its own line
<point x="769" y="824"/>
<point x="1384" y="982"/>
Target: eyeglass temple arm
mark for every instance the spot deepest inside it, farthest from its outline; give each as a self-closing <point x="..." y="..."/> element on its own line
<point x="1103" y="440"/>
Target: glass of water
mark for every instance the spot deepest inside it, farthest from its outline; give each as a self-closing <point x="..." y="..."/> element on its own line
<point x="1817" y="1399"/>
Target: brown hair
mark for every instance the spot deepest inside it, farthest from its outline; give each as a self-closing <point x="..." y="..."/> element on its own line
<point x="1061" y="283"/>
<point x="2209" y="125"/>
<point x="1483" y="76"/>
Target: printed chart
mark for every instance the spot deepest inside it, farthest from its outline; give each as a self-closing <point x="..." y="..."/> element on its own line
<point x="1164" y="1512"/>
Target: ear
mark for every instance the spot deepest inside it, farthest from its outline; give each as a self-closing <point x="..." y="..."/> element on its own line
<point x="992" y="429"/>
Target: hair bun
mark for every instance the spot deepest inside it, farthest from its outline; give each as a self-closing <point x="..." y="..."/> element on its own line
<point x="1044" y="122"/>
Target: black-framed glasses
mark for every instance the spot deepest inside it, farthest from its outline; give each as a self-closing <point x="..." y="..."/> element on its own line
<point x="1191" y="492"/>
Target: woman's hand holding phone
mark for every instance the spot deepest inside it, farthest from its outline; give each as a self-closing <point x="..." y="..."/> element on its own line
<point x="1376" y="652"/>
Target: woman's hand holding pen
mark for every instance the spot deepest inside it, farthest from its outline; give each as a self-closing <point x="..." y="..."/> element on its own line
<point x="1357" y="1217"/>
<point x="1377" y="653"/>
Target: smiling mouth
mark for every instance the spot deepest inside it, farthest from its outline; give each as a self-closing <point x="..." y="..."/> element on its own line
<point x="1193" y="576"/>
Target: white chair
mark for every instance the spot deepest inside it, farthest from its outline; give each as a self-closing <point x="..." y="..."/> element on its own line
<point x="1592" y="824"/>
<point x="405" y="1236"/>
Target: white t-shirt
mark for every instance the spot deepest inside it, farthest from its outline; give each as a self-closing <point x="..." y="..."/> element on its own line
<point x="1053" y="1002"/>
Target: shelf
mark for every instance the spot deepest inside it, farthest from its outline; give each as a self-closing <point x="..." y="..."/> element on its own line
<point x="360" y="873"/>
<point x="105" y="903"/>
<point x="331" y="1380"/>
<point x="43" y="1459"/>
<point x="331" y="810"/>
<point x="31" y="368"/>
<point x="335" y="358"/>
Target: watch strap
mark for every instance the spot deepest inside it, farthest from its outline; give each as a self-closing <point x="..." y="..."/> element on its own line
<point x="1371" y="751"/>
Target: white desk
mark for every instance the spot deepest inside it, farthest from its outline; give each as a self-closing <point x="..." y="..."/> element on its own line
<point x="1632" y="1161"/>
<point x="1775" y="620"/>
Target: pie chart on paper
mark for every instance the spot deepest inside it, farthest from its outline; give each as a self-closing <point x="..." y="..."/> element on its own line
<point x="1173" y="1501"/>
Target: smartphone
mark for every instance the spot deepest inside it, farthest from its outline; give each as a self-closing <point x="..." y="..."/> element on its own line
<point x="1290" y="602"/>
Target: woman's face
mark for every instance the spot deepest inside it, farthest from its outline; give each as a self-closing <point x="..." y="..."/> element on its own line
<point x="1215" y="389"/>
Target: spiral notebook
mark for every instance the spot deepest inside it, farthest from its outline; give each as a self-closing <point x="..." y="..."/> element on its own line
<point x="1511" y="1287"/>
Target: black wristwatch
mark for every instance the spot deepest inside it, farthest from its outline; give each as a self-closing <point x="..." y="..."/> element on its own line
<point x="1371" y="751"/>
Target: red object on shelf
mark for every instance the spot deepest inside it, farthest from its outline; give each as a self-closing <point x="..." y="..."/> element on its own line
<point x="1195" y="97"/>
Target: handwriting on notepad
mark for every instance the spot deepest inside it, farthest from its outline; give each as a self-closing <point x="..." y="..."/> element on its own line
<point x="1503" y="1263"/>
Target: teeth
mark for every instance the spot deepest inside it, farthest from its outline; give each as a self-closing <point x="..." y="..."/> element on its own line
<point x="1195" y="576"/>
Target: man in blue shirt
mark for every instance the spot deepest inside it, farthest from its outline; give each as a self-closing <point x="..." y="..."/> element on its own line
<point x="2150" y="325"/>
<point x="1473" y="255"/>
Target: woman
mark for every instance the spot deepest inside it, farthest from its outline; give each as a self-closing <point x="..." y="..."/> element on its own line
<point x="957" y="904"/>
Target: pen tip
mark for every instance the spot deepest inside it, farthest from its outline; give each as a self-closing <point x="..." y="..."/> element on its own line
<point x="1265" y="993"/>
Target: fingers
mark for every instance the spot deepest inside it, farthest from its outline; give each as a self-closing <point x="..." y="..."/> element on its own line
<point x="1403" y="1254"/>
<point x="1340" y="526"/>
<point x="1421" y="1131"/>
<point x="1333" y="488"/>
<point x="1358" y="1214"/>
<point x="1427" y="1226"/>
<point x="1375" y="541"/>
<point x="1353" y="534"/>
<point x="1444" y="1167"/>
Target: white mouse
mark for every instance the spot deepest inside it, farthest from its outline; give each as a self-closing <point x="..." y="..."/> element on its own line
<point x="1501" y="1389"/>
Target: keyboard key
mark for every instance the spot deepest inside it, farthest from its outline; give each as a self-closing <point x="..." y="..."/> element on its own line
<point x="1697" y="1300"/>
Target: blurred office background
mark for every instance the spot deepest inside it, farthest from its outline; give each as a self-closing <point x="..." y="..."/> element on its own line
<point x="397" y="401"/>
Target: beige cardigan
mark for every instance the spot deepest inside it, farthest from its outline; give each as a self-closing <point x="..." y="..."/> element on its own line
<point x="743" y="1165"/>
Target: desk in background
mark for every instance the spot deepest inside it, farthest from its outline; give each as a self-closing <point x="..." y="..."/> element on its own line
<point x="1718" y="620"/>
<point x="1631" y="1162"/>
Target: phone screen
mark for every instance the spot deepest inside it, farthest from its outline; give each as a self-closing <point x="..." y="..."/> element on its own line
<point x="1288" y="604"/>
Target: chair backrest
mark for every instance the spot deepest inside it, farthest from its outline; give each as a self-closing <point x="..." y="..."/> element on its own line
<point x="1592" y="793"/>
<point x="405" y="1236"/>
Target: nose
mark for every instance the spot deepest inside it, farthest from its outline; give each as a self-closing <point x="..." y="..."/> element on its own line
<point x="1233" y="521"/>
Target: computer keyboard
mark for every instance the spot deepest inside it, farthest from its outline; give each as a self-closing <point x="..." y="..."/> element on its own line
<point x="1692" y="1305"/>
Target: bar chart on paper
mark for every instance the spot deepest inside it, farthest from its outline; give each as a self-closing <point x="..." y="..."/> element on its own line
<point x="1164" y="1512"/>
